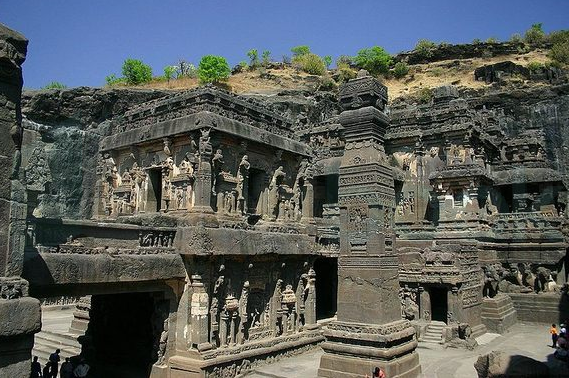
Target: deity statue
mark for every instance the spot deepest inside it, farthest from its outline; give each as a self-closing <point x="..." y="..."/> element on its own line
<point x="276" y="181"/>
<point x="205" y="147"/>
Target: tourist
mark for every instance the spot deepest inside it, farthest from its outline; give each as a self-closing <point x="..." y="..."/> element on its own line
<point x="46" y="370"/>
<point x="54" y="359"/>
<point x="562" y="341"/>
<point x="36" y="368"/>
<point x="562" y="328"/>
<point x="81" y="370"/>
<point x="66" y="370"/>
<point x="377" y="373"/>
<point x="553" y="332"/>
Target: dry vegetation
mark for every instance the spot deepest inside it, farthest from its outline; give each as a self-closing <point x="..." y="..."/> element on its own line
<point x="457" y="72"/>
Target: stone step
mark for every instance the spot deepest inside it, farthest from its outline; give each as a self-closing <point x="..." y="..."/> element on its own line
<point x="61" y="338"/>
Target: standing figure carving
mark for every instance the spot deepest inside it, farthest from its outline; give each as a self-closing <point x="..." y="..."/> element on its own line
<point x="243" y="183"/>
<point x="274" y="195"/>
<point x="217" y="163"/>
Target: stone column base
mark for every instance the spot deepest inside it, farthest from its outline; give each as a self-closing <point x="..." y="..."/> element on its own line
<point x="353" y="350"/>
<point x="498" y="313"/>
<point x="20" y="319"/>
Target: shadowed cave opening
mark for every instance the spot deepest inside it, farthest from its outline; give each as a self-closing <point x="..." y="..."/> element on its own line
<point x="120" y="335"/>
<point x="326" y="269"/>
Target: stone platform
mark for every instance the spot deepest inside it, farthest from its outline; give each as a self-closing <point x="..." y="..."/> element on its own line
<point x="498" y="313"/>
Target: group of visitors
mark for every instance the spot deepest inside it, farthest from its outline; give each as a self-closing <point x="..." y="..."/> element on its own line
<point x="559" y="341"/>
<point x="51" y="368"/>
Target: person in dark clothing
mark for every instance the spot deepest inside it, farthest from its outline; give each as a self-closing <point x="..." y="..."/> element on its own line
<point x="54" y="359"/>
<point x="36" y="368"/>
<point x="47" y="370"/>
<point x="66" y="370"/>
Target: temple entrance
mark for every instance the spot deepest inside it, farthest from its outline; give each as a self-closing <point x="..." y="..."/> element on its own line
<point x="326" y="269"/>
<point x="439" y="303"/>
<point x="121" y="337"/>
<point x="154" y="194"/>
<point x="256" y="186"/>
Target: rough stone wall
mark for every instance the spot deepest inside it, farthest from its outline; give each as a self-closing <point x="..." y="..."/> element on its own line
<point x="19" y="314"/>
<point x="66" y="126"/>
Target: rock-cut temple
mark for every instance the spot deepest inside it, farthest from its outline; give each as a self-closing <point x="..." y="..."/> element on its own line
<point x="207" y="233"/>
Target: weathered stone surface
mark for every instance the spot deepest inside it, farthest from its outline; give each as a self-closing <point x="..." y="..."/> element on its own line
<point x="497" y="364"/>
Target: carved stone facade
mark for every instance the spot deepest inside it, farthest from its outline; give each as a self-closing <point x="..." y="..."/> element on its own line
<point x="221" y="207"/>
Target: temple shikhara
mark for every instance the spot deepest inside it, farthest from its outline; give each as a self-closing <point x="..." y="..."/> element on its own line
<point x="204" y="233"/>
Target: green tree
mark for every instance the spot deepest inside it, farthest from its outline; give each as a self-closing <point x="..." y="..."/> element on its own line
<point x="374" y="59"/>
<point x="169" y="72"/>
<point x="253" y="55"/>
<point x="424" y="48"/>
<point x="300" y="50"/>
<point x="327" y="61"/>
<point x="55" y="85"/>
<point x="136" y="72"/>
<point x="560" y="52"/>
<point x="266" y="56"/>
<point x="213" y="69"/>
<point x="535" y="35"/>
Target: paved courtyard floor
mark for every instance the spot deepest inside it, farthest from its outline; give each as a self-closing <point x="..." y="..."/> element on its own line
<point x="531" y="340"/>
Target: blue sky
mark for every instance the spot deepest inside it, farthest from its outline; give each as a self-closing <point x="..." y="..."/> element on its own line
<point x="79" y="42"/>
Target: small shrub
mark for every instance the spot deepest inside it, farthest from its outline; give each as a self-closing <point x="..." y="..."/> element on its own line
<point x="213" y="69"/>
<point x="300" y="50"/>
<point x="327" y="61"/>
<point x="327" y="84"/>
<point x="476" y="41"/>
<point x="400" y="70"/>
<point x="424" y="95"/>
<point x="553" y="64"/>
<point x="375" y="60"/>
<point x="437" y="71"/>
<point x="114" y="80"/>
<point x="344" y="59"/>
<point x="253" y="55"/>
<point x="424" y="48"/>
<point x="310" y="63"/>
<point x="55" y="85"/>
<point x="535" y="35"/>
<point x="136" y="72"/>
<point x="243" y="65"/>
<point x="492" y="40"/>
<point x="286" y="59"/>
<point x="444" y="44"/>
<point x="534" y="66"/>
<point x="560" y="52"/>
<point x="345" y="72"/>
<point x="266" y="58"/>
<point x="516" y="38"/>
<point x="169" y="72"/>
<point x="559" y="36"/>
<point x="186" y="69"/>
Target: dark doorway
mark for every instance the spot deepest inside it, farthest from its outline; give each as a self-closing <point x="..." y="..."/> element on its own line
<point x="154" y="195"/>
<point x="120" y="334"/>
<point x="325" y="192"/>
<point x="439" y="304"/>
<point x="256" y="186"/>
<point x="326" y="269"/>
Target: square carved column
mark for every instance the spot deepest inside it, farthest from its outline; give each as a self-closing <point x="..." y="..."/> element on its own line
<point x="20" y="315"/>
<point x="369" y="331"/>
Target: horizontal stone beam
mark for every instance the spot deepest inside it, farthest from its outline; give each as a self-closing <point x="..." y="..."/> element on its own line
<point x="193" y="122"/>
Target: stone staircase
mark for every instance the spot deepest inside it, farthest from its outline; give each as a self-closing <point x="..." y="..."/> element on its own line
<point x="46" y="342"/>
<point x="434" y="333"/>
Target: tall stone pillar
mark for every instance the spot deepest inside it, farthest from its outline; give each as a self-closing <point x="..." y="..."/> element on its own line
<point x="20" y="315"/>
<point x="203" y="181"/>
<point x="369" y="331"/>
